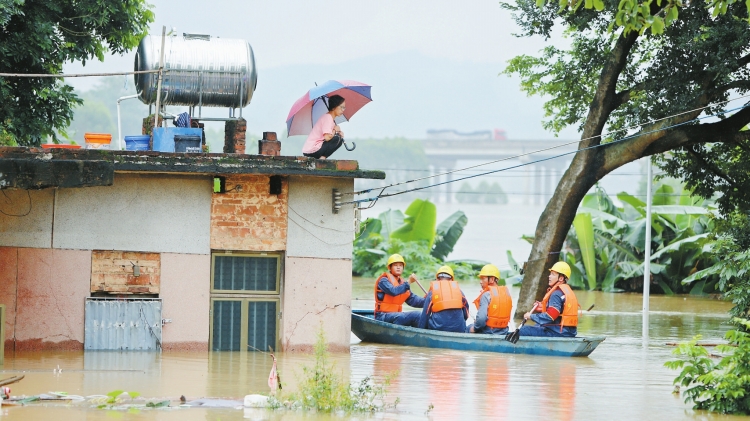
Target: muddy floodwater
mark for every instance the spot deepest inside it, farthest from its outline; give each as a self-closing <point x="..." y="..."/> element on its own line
<point x="621" y="380"/>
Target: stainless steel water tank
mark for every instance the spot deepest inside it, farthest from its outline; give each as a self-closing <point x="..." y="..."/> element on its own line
<point x="214" y="72"/>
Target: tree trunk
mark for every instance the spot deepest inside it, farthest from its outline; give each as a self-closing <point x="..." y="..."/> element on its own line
<point x="554" y="224"/>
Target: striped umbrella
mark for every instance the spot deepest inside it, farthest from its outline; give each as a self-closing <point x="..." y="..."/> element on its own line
<point x="308" y="109"/>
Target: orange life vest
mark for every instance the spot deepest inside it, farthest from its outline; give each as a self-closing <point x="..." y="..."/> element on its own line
<point x="445" y="295"/>
<point x="389" y="303"/>
<point x="570" y="307"/>
<point x="498" y="312"/>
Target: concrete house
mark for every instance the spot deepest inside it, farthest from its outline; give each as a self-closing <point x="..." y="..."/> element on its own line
<point x="136" y="250"/>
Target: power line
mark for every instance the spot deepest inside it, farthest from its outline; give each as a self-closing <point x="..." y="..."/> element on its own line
<point x="382" y="189"/>
<point x="47" y="75"/>
<point x="558" y="146"/>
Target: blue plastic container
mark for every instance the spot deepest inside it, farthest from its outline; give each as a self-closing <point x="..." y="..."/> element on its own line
<point x="137" y="143"/>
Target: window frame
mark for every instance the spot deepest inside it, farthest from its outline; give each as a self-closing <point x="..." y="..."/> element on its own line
<point x="244" y="322"/>
<point x="278" y="257"/>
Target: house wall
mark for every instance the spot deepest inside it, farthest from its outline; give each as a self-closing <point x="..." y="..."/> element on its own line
<point x="113" y="271"/>
<point x="247" y="217"/>
<point x="48" y="269"/>
<point x="185" y="291"/>
<point x="26" y="218"/>
<point x="318" y="267"/>
<point x="46" y="265"/>
<point x="152" y="213"/>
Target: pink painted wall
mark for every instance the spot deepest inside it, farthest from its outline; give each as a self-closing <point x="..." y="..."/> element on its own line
<point x="316" y="291"/>
<point x="52" y="287"/>
<point x="8" y="270"/>
<point x="185" y="290"/>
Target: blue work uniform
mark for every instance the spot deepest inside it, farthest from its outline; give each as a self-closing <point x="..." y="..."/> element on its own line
<point x="404" y="318"/>
<point x="480" y="323"/>
<point x="545" y="326"/>
<point x="451" y="320"/>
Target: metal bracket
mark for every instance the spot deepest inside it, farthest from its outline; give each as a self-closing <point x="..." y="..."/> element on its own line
<point x="336" y="200"/>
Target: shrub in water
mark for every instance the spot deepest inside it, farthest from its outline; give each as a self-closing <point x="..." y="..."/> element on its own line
<point x="719" y="386"/>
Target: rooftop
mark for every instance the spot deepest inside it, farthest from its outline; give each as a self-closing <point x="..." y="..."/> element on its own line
<point x="37" y="168"/>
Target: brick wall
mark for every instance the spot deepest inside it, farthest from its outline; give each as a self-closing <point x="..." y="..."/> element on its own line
<point x="248" y="217"/>
<point x="112" y="272"/>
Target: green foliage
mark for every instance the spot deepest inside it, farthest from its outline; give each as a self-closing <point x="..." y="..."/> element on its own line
<point x="38" y="37"/>
<point x="694" y="54"/>
<point x="732" y="239"/>
<point x="448" y="233"/>
<point x="425" y="248"/>
<point x="484" y="193"/>
<point x="419" y="223"/>
<point x="324" y="389"/>
<point x="606" y="248"/>
<point x="6" y="137"/>
<point x="584" y="230"/>
<point x="719" y="386"/>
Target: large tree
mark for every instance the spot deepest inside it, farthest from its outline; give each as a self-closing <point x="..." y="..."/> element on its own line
<point x="627" y="64"/>
<point x="38" y="37"/>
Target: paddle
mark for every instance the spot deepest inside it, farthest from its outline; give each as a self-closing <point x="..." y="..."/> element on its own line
<point x="513" y="337"/>
<point x="420" y="285"/>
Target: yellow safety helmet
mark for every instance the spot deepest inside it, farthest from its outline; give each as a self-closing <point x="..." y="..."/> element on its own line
<point x="395" y="258"/>
<point x="445" y="269"/>
<point x="561" y="268"/>
<point x="490" y="270"/>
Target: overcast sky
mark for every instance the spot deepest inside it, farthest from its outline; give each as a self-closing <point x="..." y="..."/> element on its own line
<point x="432" y="64"/>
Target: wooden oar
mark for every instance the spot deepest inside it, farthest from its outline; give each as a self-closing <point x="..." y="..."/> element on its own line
<point x="513" y="337"/>
<point x="420" y="285"/>
<point x="12" y="380"/>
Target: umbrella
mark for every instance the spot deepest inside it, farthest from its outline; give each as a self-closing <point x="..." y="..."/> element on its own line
<point x="308" y="109"/>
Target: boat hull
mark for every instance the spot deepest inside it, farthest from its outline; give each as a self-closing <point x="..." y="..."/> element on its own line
<point x="367" y="329"/>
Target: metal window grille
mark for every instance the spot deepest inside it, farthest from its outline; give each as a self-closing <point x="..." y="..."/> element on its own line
<point x="227" y="324"/>
<point x="246" y="273"/>
<point x="247" y="324"/>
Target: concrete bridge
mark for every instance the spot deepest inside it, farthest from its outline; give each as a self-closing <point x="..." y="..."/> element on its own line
<point x="539" y="179"/>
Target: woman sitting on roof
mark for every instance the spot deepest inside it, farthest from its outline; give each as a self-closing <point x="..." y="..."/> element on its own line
<point x="326" y="136"/>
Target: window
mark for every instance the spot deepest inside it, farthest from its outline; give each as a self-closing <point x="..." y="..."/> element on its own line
<point x="245" y="301"/>
<point x="244" y="324"/>
<point x="243" y="273"/>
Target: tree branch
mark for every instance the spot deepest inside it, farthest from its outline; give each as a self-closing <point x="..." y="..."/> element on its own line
<point x="737" y="84"/>
<point x="711" y="167"/>
<point x="604" y="98"/>
<point x="623" y="97"/>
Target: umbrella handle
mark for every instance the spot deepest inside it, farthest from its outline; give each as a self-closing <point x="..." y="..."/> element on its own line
<point x="354" y="145"/>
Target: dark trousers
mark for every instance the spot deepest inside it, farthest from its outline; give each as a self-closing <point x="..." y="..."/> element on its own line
<point x="327" y="148"/>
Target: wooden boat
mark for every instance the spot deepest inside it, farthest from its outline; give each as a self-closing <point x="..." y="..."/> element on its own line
<point x="367" y="329"/>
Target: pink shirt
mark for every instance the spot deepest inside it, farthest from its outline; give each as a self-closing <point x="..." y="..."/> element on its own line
<point x="324" y="125"/>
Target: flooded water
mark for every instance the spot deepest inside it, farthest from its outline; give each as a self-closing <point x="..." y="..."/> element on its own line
<point x="620" y="380"/>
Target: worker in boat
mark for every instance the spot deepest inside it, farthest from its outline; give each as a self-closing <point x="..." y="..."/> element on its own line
<point x="557" y="314"/>
<point x="391" y="292"/>
<point x="494" y="304"/>
<point x="445" y="306"/>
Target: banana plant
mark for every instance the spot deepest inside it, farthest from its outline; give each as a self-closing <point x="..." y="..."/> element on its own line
<point x="606" y="245"/>
<point x="415" y="232"/>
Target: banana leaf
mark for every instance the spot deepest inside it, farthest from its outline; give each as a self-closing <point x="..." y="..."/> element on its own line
<point x="679" y="210"/>
<point x="664" y="195"/>
<point x="512" y="262"/>
<point x="633" y="201"/>
<point x="370" y="226"/>
<point x="448" y="233"/>
<point x="390" y="220"/>
<point x="703" y="274"/>
<point x="609" y="239"/>
<point x="692" y="241"/>
<point x="419" y="223"/>
<point x="585" y="232"/>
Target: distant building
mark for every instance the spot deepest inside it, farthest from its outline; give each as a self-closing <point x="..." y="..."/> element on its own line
<point x="138" y="250"/>
<point x="450" y="134"/>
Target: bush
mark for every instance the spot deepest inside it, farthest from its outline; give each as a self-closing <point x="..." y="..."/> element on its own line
<point x="323" y="388"/>
<point x="722" y="386"/>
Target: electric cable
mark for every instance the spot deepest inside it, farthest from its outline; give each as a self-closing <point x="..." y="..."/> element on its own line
<point x="566" y="144"/>
<point x="382" y="195"/>
<point x="62" y="75"/>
